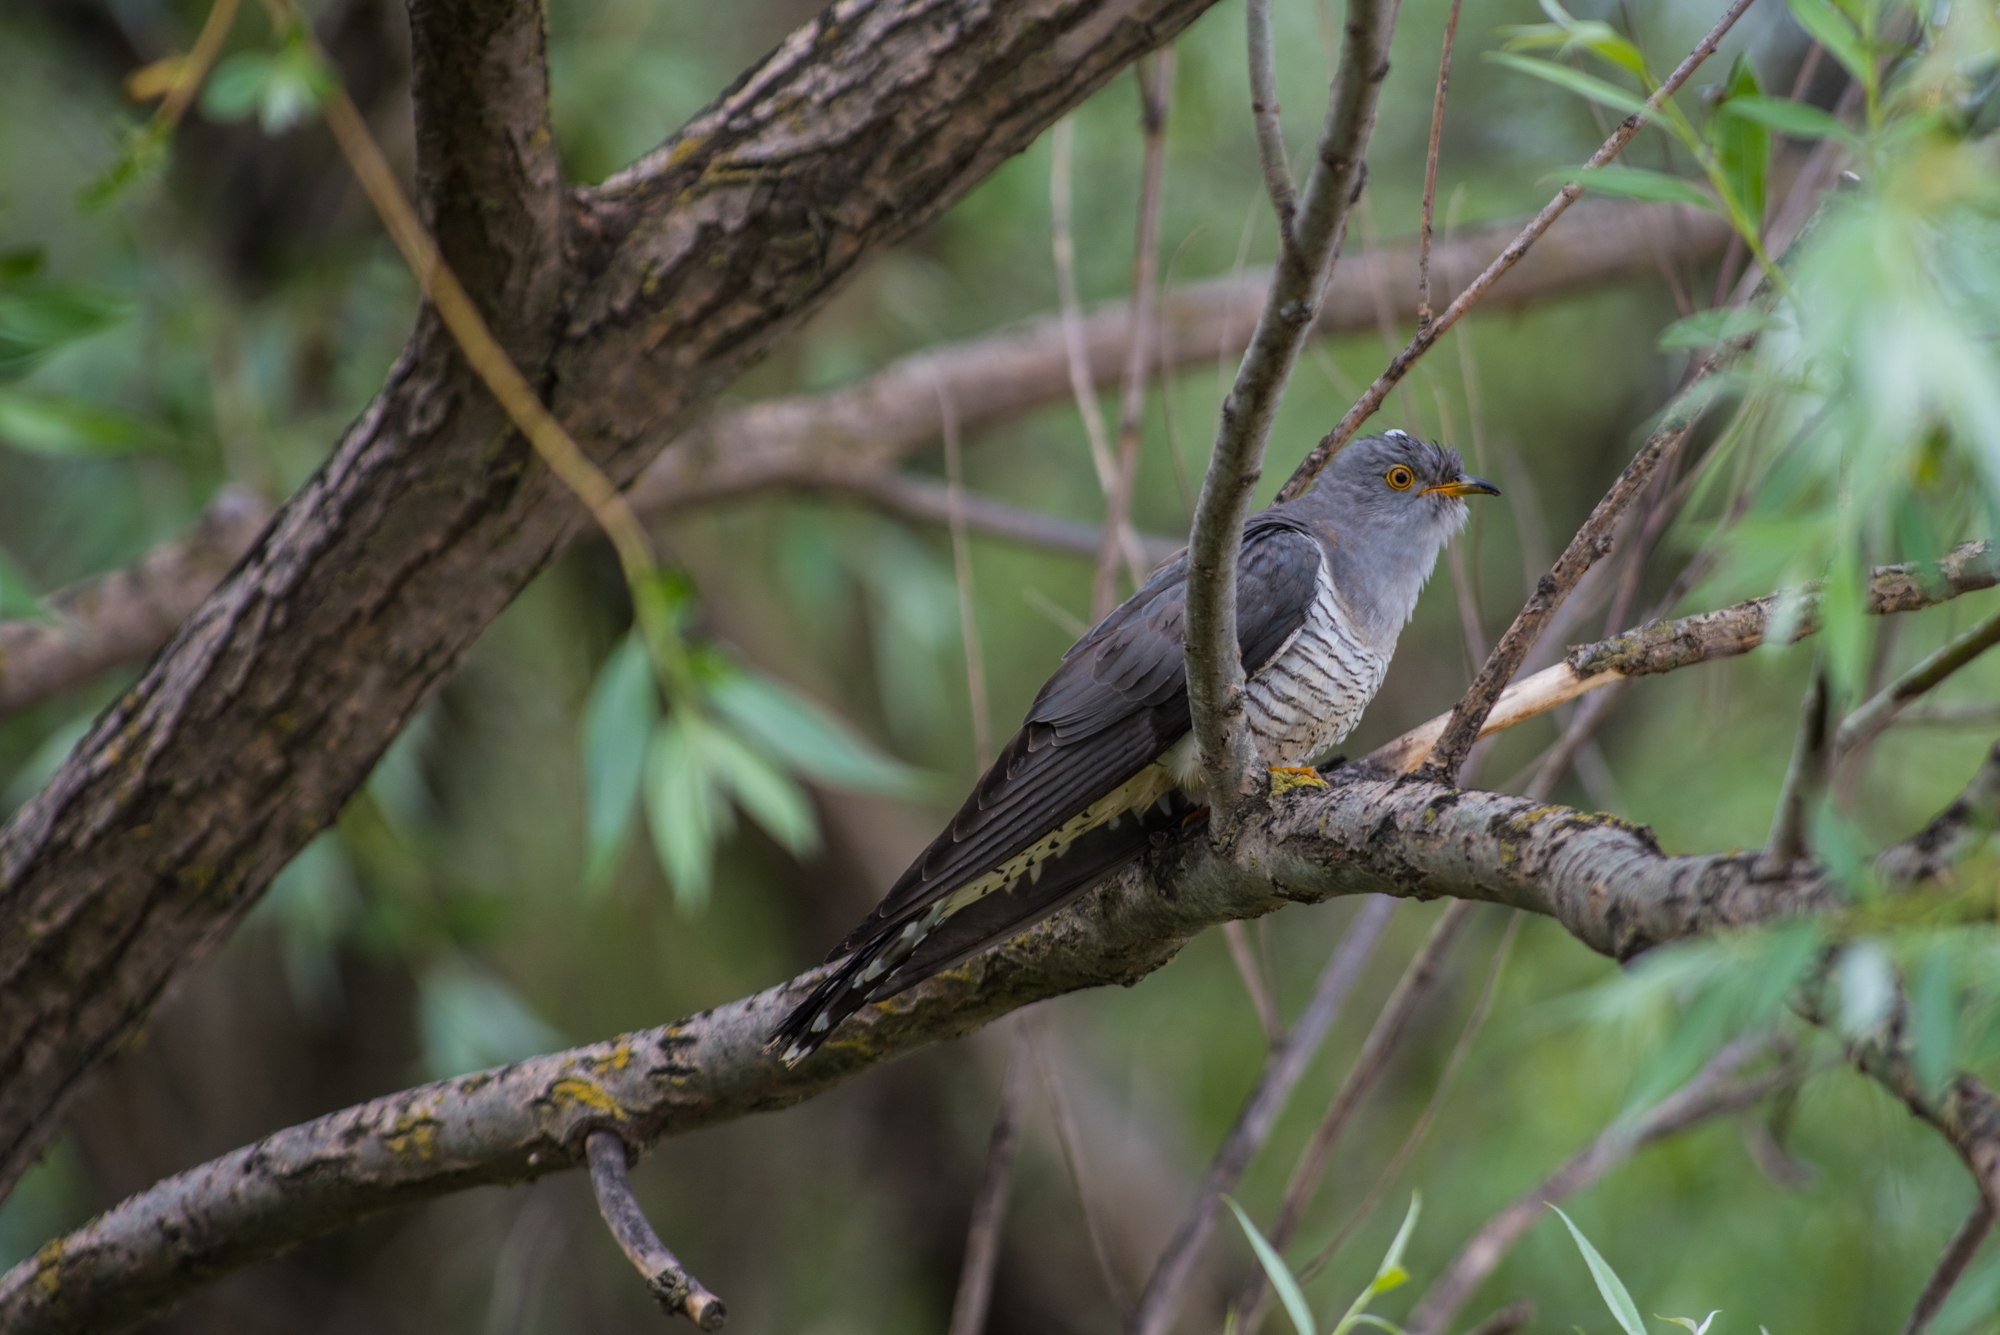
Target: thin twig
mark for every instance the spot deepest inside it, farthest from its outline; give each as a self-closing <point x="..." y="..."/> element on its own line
<point x="909" y="496"/>
<point x="989" y="1202"/>
<point x="1514" y="1316"/>
<point x="961" y="568"/>
<point x="1264" y="116"/>
<point x="1286" y="1064"/>
<point x="673" y="1288"/>
<point x="468" y="327"/>
<point x="1475" y="1020"/>
<point x="1666" y="646"/>
<point x="1880" y="710"/>
<point x="1805" y="777"/>
<point x="1156" y="84"/>
<point x="1715" y="1090"/>
<point x="1214" y="664"/>
<point x="1070" y="1144"/>
<point x="1062" y="249"/>
<point x="1951" y="1267"/>
<point x="1247" y="968"/>
<point x="1427" y="335"/>
<point x="1422" y="973"/>
<point x="1431" y="169"/>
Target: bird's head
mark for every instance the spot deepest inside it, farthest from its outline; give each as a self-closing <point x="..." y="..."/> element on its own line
<point x="1386" y="506"/>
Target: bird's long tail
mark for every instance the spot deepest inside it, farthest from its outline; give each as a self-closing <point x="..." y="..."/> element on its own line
<point x="905" y="951"/>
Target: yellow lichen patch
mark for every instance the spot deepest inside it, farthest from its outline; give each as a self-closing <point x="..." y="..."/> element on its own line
<point x="48" y="1267"/>
<point x="1291" y="778"/>
<point x="576" y="1091"/>
<point x="615" y="1060"/>
<point x="414" y="1133"/>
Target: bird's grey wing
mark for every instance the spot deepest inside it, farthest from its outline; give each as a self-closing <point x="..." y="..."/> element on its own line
<point x="1117" y="702"/>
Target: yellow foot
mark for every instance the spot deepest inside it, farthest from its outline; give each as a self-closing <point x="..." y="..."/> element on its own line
<point x="1289" y="778"/>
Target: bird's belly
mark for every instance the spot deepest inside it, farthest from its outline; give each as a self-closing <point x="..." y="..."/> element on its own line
<point x="1311" y="694"/>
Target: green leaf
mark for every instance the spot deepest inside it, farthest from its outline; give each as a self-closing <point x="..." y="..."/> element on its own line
<point x="1576" y="81"/>
<point x="1643" y="183"/>
<point x="1933" y="1019"/>
<point x="21" y="262"/>
<point x="41" y="424"/>
<point x="1797" y="119"/>
<point x="1833" y="30"/>
<point x="765" y="792"/>
<point x="1283" y="1282"/>
<point x="1699" y="1328"/>
<point x="1389" y="1275"/>
<point x="1720" y="324"/>
<point x="1867" y="988"/>
<point x="1743" y="147"/>
<point x="236" y="85"/>
<point x="684" y="808"/>
<point x="1613" y="1290"/>
<point x="470" y="1018"/>
<point x="807" y="738"/>
<point x="37" y="319"/>
<point x="618" y="721"/>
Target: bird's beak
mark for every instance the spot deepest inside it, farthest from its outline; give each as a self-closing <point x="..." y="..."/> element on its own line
<point x="1464" y="486"/>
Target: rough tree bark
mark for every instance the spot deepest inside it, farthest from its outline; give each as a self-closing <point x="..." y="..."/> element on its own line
<point x="1604" y="880"/>
<point x="252" y="728"/>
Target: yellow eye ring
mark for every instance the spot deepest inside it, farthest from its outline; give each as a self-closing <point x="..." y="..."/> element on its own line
<point x="1400" y="478"/>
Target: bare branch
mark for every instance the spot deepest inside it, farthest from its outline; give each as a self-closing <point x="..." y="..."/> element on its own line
<point x="1422" y="973"/>
<point x="1431" y="169"/>
<point x="1156" y="86"/>
<point x="1214" y="663"/>
<point x="1805" y="777"/>
<point x="1714" y="1091"/>
<point x="431" y="515"/>
<point x="1283" y="1068"/>
<point x="918" y="498"/>
<point x="989" y="1202"/>
<point x="673" y="1288"/>
<point x="1951" y="1267"/>
<point x="1605" y="881"/>
<point x="1665" y="646"/>
<point x="1266" y="120"/>
<point x="123" y="616"/>
<point x="1400" y="364"/>
<point x="846" y="439"/>
<point x="1880" y="710"/>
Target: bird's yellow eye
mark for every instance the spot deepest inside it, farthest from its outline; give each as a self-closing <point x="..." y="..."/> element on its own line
<point x="1400" y="478"/>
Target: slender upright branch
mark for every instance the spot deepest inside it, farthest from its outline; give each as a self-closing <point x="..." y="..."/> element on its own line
<point x="1717" y="1089"/>
<point x="1214" y="662"/>
<point x="1421" y="342"/>
<point x="1266" y="119"/>
<point x="1286" y="1064"/>
<point x="1422" y="973"/>
<point x="989" y="1202"/>
<point x="1431" y="169"/>
<point x="1156" y="86"/>
<point x="1805" y="777"/>
<point x="672" y="1287"/>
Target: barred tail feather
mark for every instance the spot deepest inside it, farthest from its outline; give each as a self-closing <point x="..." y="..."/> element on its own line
<point x="905" y="952"/>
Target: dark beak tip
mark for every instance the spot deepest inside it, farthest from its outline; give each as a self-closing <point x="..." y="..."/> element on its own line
<point x="1480" y="486"/>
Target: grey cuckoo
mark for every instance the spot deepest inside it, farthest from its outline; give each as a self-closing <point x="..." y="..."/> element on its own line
<point x="1324" y="585"/>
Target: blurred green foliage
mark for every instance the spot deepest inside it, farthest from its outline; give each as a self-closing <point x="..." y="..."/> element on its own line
<point x="174" y="314"/>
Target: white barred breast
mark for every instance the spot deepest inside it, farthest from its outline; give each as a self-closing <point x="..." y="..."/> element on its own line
<point x="1311" y="694"/>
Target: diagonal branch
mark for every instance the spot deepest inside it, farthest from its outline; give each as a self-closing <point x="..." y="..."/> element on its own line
<point x="1214" y="664"/>
<point x="1604" y="881"/>
<point x="143" y="852"/>
<point x="1428" y="334"/>
<point x="849" y="438"/>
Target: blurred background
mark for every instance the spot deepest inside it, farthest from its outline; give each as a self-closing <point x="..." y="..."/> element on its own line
<point x="497" y="889"/>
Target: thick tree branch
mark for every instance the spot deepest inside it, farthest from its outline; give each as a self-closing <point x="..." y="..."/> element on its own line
<point x="1605" y="881"/>
<point x="143" y="852"/>
<point x="850" y="438"/>
<point x="1310" y="247"/>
